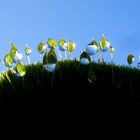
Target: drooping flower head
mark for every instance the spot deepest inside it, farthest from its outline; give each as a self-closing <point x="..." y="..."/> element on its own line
<point x="15" y="54"/>
<point x="92" y="48"/>
<point x="41" y="47"/>
<point x="27" y="50"/>
<point x="49" y="60"/>
<point x="130" y="59"/>
<point x="104" y="44"/>
<point x="70" y="46"/>
<point x="13" y="49"/>
<point x="85" y="58"/>
<point x="62" y="45"/>
<point x="18" y="57"/>
<point x="8" y="60"/>
<point x="20" y="69"/>
<point x="51" y="43"/>
<point x="112" y="50"/>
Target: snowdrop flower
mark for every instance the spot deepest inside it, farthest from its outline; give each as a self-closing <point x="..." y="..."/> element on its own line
<point x="49" y="60"/>
<point x="85" y="58"/>
<point x="104" y="44"/>
<point x="51" y="43"/>
<point x="42" y="47"/>
<point x="27" y="50"/>
<point x="20" y="69"/>
<point x="84" y="61"/>
<point x="8" y="60"/>
<point x="139" y="62"/>
<point x="49" y="67"/>
<point x="92" y="48"/>
<point x="18" y="57"/>
<point x="70" y="46"/>
<point x="130" y="59"/>
<point x="62" y="45"/>
<point x="111" y="52"/>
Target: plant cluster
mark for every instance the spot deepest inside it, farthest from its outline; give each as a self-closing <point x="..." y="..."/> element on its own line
<point x="47" y="49"/>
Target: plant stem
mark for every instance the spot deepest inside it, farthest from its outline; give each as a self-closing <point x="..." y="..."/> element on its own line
<point x="60" y="56"/>
<point x="2" y="62"/>
<point x="28" y="58"/>
<point x="100" y="56"/>
<point x="40" y="57"/>
<point x="111" y="58"/>
<point x="12" y="70"/>
<point x="66" y="55"/>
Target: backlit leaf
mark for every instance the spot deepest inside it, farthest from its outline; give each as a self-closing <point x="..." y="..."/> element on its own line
<point x="112" y="49"/>
<point x="50" y="57"/>
<point x="62" y="42"/>
<point x="103" y="42"/>
<point x="13" y="50"/>
<point x="71" y="46"/>
<point x="93" y="43"/>
<point x="51" y="43"/>
<point x="8" y="60"/>
<point x="20" y="69"/>
<point x="130" y="59"/>
<point x="27" y="50"/>
<point x="85" y="55"/>
<point x="40" y="46"/>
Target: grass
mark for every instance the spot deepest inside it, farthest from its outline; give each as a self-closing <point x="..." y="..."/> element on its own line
<point x="67" y="89"/>
<point x="71" y="76"/>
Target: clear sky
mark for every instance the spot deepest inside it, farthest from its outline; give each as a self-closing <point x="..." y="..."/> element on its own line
<point x="30" y="21"/>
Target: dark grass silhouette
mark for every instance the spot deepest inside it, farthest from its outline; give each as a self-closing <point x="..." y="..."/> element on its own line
<point x="25" y="100"/>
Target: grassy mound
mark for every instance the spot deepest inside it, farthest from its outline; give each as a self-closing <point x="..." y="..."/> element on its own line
<point x="72" y="78"/>
<point x="68" y="88"/>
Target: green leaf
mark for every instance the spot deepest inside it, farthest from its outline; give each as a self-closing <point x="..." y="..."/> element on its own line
<point x="85" y="55"/>
<point x="13" y="50"/>
<point x="93" y="43"/>
<point x="50" y="57"/>
<point x="111" y="49"/>
<point x="52" y="42"/>
<point x="8" y="60"/>
<point x="20" y="69"/>
<point x="40" y="46"/>
<point x="103" y="42"/>
<point x="130" y="59"/>
<point x="8" y="77"/>
<point x="71" y="46"/>
<point x="27" y="50"/>
<point x="62" y="42"/>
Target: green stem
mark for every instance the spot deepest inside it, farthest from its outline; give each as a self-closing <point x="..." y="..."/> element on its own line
<point x="12" y="70"/>
<point x="100" y="56"/>
<point x="60" y="56"/>
<point x="28" y="58"/>
<point x="111" y="58"/>
<point x="66" y="55"/>
<point x="41" y="58"/>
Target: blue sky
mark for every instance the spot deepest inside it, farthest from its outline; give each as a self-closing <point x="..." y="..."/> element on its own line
<point x="30" y="21"/>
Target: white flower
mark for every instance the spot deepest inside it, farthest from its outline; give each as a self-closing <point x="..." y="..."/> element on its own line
<point x="91" y="49"/>
<point x="133" y="59"/>
<point x="28" y="51"/>
<point x="62" y="48"/>
<point x="106" y="47"/>
<point x="18" y="57"/>
<point x="44" y="47"/>
<point x="49" y="67"/>
<point x="84" y="61"/>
